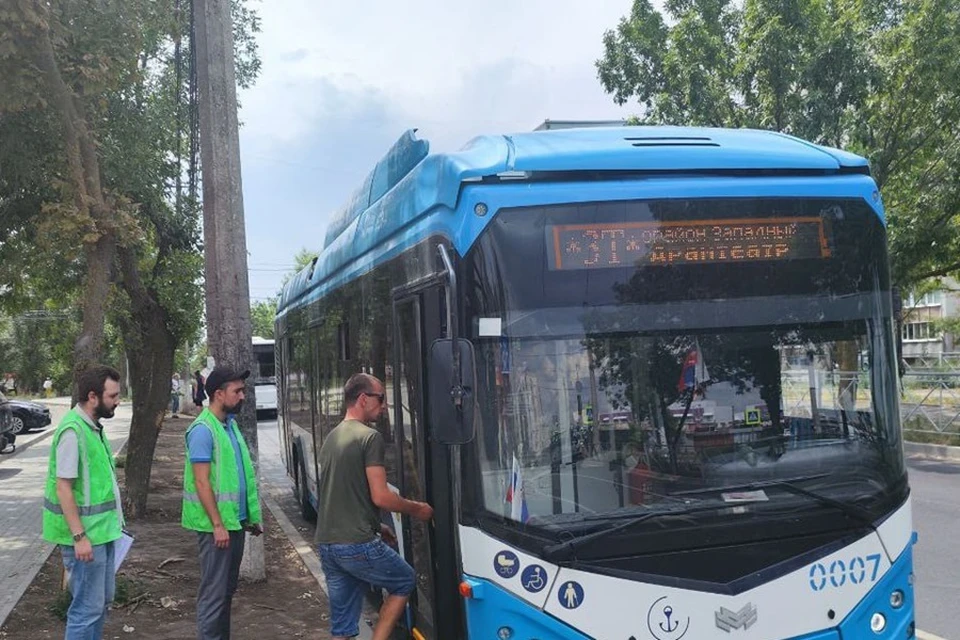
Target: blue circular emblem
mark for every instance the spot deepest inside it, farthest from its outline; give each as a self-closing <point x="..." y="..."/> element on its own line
<point x="506" y="564"/>
<point x="534" y="578"/>
<point x="570" y="595"/>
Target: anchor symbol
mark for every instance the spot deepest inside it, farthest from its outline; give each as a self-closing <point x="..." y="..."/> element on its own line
<point x="670" y="628"/>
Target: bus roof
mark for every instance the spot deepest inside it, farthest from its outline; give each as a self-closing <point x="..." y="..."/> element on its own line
<point x="408" y="183"/>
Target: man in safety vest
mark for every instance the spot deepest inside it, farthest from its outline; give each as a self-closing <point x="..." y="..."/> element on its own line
<point x="220" y="499"/>
<point x="81" y="508"/>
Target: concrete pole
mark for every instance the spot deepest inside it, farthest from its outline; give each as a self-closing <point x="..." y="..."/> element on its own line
<point x="225" y="246"/>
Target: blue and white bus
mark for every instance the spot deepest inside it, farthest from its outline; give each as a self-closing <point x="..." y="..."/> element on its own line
<point x="647" y="376"/>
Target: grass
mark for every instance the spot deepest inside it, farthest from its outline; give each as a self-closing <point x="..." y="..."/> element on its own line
<point x="929" y="437"/>
<point x="126" y="591"/>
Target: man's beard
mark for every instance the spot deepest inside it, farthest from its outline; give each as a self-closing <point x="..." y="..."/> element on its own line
<point x="234" y="409"/>
<point x="102" y="411"/>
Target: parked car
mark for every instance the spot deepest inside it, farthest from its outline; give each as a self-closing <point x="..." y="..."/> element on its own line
<point x="7" y="436"/>
<point x="25" y="415"/>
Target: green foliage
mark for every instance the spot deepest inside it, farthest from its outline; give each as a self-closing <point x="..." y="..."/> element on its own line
<point x="923" y="435"/>
<point x="246" y="26"/>
<point x="878" y="77"/>
<point x="262" y="315"/>
<point x="127" y="590"/>
<point x="61" y="604"/>
<point x="263" y="312"/>
<point x="303" y="258"/>
<point x="117" y="59"/>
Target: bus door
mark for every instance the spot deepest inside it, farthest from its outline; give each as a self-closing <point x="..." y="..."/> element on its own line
<point x="414" y="456"/>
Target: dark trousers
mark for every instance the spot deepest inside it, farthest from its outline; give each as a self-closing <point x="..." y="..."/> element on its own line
<point x="219" y="571"/>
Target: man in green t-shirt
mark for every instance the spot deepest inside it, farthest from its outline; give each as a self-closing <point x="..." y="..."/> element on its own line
<point x="351" y="491"/>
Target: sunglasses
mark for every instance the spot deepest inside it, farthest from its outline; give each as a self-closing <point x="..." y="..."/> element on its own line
<point x="378" y="396"/>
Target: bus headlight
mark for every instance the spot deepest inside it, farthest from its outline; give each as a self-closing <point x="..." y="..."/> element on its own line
<point x="878" y="623"/>
<point x="504" y="633"/>
<point x="896" y="599"/>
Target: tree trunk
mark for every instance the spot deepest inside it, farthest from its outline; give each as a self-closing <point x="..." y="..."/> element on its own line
<point x="151" y="366"/>
<point x="151" y="347"/>
<point x="225" y="247"/>
<point x="89" y="344"/>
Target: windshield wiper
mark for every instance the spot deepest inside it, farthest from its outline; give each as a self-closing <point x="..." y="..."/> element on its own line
<point x="568" y="548"/>
<point x="791" y="486"/>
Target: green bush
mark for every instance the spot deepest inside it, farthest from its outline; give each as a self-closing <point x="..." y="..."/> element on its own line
<point x="928" y="437"/>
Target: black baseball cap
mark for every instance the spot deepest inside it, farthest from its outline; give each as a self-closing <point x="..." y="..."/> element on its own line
<point x="221" y="375"/>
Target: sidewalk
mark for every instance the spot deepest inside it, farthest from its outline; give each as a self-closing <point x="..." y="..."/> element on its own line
<point x="22" y="479"/>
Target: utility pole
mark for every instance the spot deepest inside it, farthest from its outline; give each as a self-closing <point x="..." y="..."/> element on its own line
<point x="225" y="244"/>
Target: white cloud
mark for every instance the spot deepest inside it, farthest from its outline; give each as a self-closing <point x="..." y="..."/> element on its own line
<point x="341" y="81"/>
<point x="476" y="66"/>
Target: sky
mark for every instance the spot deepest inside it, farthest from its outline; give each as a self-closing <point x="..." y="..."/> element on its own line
<point x="341" y="81"/>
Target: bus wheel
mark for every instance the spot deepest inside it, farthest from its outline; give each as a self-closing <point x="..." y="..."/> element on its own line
<point x="296" y="474"/>
<point x="306" y="509"/>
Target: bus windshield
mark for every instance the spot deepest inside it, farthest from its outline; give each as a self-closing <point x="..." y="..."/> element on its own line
<point x="680" y="351"/>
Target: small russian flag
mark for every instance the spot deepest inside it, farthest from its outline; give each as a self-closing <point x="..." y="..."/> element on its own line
<point x="694" y="372"/>
<point x="516" y="495"/>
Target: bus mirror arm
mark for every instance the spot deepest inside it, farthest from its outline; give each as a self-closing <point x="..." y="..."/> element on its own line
<point x="456" y="392"/>
<point x="451" y="375"/>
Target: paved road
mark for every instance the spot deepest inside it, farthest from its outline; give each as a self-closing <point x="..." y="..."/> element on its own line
<point x="936" y="519"/>
<point x="22" y="479"/>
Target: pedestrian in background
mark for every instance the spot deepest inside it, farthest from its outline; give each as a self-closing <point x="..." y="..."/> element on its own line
<point x="198" y="395"/>
<point x="175" y="394"/>
<point x="220" y="500"/>
<point x="82" y="513"/>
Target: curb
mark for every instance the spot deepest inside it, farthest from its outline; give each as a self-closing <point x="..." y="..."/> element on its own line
<point x="39" y="437"/>
<point x="932" y="451"/>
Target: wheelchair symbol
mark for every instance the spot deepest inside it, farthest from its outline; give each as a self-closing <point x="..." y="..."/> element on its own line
<point x="534" y="578"/>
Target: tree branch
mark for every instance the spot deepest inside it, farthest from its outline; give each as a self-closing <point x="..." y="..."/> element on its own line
<point x="940" y="272"/>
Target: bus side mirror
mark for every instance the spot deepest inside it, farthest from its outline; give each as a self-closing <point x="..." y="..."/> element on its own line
<point x="451" y="421"/>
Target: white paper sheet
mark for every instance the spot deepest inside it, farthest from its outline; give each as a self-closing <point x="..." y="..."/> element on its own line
<point x="120" y="549"/>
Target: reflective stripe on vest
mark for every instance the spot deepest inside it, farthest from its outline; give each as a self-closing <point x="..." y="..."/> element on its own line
<point x="220" y="497"/>
<point x="85" y="510"/>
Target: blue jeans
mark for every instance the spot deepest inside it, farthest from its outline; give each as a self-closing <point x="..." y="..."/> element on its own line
<point x="351" y="569"/>
<point x="92" y="585"/>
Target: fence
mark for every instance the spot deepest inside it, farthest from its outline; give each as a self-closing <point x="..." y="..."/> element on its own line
<point x="929" y="399"/>
<point x="930" y="402"/>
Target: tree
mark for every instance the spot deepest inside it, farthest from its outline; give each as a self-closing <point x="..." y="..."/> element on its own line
<point x="263" y="312"/>
<point x="880" y="78"/>
<point x="93" y="98"/>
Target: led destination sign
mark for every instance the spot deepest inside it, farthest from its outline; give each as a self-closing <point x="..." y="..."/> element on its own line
<point x="589" y="246"/>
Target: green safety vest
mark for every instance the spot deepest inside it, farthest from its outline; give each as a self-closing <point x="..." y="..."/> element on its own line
<point x="92" y="490"/>
<point x="224" y="479"/>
